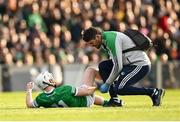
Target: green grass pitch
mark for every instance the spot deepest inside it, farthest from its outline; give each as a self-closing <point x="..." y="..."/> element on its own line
<point x="12" y="107"/>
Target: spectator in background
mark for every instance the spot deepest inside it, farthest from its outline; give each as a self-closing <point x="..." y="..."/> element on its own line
<point x="22" y="21"/>
<point x="28" y="59"/>
<point x="35" y="20"/>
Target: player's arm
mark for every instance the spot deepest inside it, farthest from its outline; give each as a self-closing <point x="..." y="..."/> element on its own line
<point x="85" y="90"/>
<point x="29" y="99"/>
<point x="114" y="72"/>
<point x="116" y="55"/>
<point x="117" y="63"/>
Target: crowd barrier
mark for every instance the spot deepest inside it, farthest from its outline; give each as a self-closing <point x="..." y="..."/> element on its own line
<point x="13" y="78"/>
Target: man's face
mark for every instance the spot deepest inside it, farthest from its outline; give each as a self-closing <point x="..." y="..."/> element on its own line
<point x="95" y="42"/>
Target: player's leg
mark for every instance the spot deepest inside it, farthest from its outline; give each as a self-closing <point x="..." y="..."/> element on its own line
<point x="88" y="79"/>
<point x="128" y="77"/>
<point x="96" y="100"/>
<point x="131" y="75"/>
<point x="89" y="75"/>
<point x="105" y="68"/>
<point x="100" y="101"/>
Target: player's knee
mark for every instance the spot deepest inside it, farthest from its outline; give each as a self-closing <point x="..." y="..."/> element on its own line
<point x="90" y="70"/>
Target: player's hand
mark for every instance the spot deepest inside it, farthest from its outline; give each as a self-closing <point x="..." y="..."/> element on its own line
<point x="30" y="86"/>
<point x="104" y="88"/>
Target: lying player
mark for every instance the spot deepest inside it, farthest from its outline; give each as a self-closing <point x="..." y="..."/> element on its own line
<point x="63" y="95"/>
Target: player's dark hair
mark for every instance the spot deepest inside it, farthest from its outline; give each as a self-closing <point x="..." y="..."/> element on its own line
<point x="90" y="33"/>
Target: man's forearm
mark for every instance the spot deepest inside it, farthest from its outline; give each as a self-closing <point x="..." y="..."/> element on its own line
<point x="113" y="75"/>
<point x="29" y="99"/>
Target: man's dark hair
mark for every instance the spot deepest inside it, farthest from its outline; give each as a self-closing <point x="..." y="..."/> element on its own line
<point x="90" y="33"/>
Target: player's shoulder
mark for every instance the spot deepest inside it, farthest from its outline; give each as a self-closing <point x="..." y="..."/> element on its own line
<point x="109" y="36"/>
<point x="41" y="95"/>
<point x="66" y="89"/>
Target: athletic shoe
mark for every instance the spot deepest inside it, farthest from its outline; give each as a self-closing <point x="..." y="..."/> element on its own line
<point x="115" y="102"/>
<point x="157" y="96"/>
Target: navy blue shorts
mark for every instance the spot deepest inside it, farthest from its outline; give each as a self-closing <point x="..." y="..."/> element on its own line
<point x="129" y="75"/>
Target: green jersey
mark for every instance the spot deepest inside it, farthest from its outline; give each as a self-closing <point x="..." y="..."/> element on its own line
<point x="63" y="96"/>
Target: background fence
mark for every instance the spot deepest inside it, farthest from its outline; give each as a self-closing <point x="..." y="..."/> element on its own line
<point x="13" y="78"/>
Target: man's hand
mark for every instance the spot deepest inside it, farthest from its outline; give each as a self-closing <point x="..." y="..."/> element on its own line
<point x="29" y="86"/>
<point x="29" y="99"/>
<point x="104" y="88"/>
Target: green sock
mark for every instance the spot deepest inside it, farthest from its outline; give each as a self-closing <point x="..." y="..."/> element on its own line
<point x="106" y="103"/>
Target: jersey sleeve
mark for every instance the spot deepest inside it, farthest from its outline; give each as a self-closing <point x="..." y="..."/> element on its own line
<point x="35" y="103"/>
<point x="114" y="72"/>
<point x="74" y="91"/>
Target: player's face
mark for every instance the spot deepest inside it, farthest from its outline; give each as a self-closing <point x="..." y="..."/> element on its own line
<point x="95" y="42"/>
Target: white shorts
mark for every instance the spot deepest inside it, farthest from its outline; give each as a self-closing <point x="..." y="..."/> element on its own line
<point x="90" y="100"/>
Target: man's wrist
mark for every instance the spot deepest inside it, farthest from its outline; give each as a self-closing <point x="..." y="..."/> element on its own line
<point x="107" y="83"/>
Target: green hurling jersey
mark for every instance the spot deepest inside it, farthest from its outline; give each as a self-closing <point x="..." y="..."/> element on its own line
<point x="62" y="96"/>
<point x="109" y="39"/>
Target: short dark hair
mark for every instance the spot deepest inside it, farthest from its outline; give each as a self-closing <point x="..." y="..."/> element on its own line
<point x="90" y="33"/>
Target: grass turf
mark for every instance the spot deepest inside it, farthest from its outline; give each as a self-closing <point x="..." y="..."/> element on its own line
<point x="12" y="107"/>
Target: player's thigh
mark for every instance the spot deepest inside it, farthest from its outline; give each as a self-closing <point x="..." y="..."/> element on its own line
<point x="132" y="74"/>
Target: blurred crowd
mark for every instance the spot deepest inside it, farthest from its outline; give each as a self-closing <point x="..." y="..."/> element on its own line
<point x="49" y="31"/>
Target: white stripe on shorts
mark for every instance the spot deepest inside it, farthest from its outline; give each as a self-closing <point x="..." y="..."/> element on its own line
<point x="90" y="100"/>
